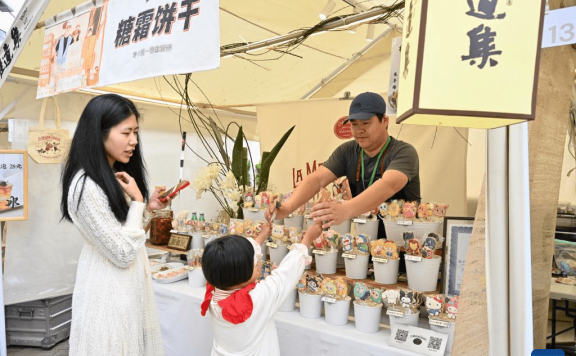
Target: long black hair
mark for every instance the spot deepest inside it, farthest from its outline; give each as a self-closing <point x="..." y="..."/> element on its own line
<point x="228" y="261"/>
<point x="87" y="152"/>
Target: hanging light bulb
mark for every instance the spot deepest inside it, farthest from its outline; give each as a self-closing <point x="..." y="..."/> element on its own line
<point x="370" y="32"/>
<point x="327" y="10"/>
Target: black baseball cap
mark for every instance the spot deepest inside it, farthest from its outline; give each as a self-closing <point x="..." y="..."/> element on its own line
<point x="366" y="105"/>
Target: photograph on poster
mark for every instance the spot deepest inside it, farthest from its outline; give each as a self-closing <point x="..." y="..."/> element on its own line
<point x="457" y="233"/>
<point x="13" y="185"/>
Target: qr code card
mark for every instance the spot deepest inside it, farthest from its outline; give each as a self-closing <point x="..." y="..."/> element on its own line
<point x="422" y="341"/>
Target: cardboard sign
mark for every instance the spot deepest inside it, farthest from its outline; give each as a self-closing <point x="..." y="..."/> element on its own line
<point x="379" y="260"/>
<point x="271" y="244"/>
<point x="319" y="252"/>
<point x="328" y="300"/>
<point x="413" y="258"/>
<point x="395" y="313"/>
<point x="444" y="324"/>
<point x="405" y="222"/>
<point x="359" y="221"/>
<point x="349" y="256"/>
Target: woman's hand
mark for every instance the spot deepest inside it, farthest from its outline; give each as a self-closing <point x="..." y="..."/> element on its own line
<point x="155" y="203"/>
<point x="129" y="185"/>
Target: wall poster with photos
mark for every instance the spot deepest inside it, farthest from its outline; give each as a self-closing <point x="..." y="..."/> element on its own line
<point x="457" y="233"/>
<point x="13" y="185"/>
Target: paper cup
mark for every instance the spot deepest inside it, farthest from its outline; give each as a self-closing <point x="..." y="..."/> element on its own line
<point x="310" y="305"/>
<point x="420" y="229"/>
<point x="278" y="254"/>
<point x="342" y="228"/>
<point x="367" y="319"/>
<point x="196" y="278"/>
<point x="294" y="221"/>
<point x="337" y="313"/>
<point x="449" y="331"/>
<point x="197" y="241"/>
<point x="423" y="275"/>
<point x="369" y="228"/>
<point x="386" y="273"/>
<point x="264" y="249"/>
<point x="307" y="223"/>
<point x="254" y="216"/>
<point x="289" y="303"/>
<point x="326" y="264"/>
<point x="407" y="319"/>
<point x="357" y="268"/>
<point x="310" y="254"/>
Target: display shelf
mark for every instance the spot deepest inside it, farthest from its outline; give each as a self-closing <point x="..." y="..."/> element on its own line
<point x="164" y="248"/>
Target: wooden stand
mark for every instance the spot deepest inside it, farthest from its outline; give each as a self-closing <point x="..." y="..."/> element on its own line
<point x="164" y="248"/>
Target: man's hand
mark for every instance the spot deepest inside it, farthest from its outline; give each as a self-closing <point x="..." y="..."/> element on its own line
<point x="329" y="213"/>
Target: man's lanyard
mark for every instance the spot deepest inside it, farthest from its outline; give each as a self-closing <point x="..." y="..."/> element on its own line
<point x="375" y="165"/>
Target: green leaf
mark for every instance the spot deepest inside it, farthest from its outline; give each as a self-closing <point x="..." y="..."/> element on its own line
<point x="219" y="142"/>
<point x="267" y="161"/>
<point x="237" y="156"/>
<point x="244" y="179"/>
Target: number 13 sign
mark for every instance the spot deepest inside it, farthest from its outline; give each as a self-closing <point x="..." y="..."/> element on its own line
<point x="559" y="27"/>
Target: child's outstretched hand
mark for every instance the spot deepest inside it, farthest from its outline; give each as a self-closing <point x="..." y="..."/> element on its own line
<point x="311" y="233"/>
<point x="264" y="233"/>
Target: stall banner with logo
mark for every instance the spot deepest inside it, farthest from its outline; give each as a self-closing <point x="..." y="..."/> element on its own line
<point x="109" y="43"/>
<point x="319" y="132"/>
<point x="18" y="34"/>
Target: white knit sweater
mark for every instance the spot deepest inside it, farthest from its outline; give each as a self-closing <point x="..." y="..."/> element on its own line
<point x="113" y="306"/>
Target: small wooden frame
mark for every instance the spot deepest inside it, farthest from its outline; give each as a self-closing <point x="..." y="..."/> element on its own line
<point x="179" y="242"/>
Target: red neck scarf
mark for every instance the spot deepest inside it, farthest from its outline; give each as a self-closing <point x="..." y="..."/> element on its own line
<point x="236" y="309"/>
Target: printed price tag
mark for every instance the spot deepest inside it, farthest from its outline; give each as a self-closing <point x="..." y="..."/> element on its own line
<point x="271" y="244"/>
<point x="359" y="221"/>
<point x="395" y="313"/>
<point x="328" y="300"/>
<point x="413" y="258"/>
<point x="319" y="252"/>
<point x="350" y="256"/>
<point x="444" y="324"/>
<point x="379" y="260"/>
<point x="307" y="216"/>
<point x="404" y="222"/>
<point x="205" y="236"/>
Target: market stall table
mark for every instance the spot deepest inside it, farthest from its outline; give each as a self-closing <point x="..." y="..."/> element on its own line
<point x="567" y="293"/>
<point x="186" y="332"/>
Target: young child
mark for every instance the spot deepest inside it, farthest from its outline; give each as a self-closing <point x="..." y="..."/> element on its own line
<point x="242" y="310"/>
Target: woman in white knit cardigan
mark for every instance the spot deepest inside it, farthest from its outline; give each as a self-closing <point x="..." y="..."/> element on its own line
<point x="113" y="306"/>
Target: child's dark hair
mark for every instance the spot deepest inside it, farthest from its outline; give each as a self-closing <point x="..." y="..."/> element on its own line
<point x="228" y="261"/>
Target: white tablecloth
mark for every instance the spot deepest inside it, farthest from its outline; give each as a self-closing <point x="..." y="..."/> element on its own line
<point x="186" y="332"/>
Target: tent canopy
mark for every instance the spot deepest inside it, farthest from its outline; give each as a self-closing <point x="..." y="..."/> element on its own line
<point x="241" y="83"/>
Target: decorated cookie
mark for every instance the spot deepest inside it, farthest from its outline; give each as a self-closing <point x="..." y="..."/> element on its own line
<point x="329" y="287"/>
<point x="391" y="250"/>
<point x="435" y="304"/>
<point x="413" y="247"/>
<point x="347" y="242"/>
<point x="452" y="307"/>
<point x="362" y="243"/>
<point x="383" y="210"/>
<point x="376" y="295"/>
<point x="361" y="291"/>
<point x="409" y="210"/>
<point x="341" y="287"/>
<point x="377" y="248"/>
<point x="248" y="200"/>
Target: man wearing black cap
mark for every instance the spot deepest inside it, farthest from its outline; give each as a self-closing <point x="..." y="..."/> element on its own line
<point x="379" y="168"/>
